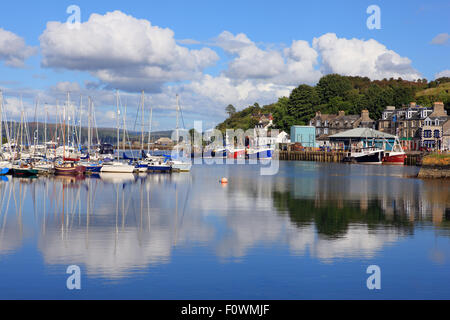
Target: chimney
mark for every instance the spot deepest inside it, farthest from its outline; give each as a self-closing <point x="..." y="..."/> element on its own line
<point x="341" y="113"/>
<point x="390" y="108"/>
<point x="365" y="117"/>
<point x="412" y="105"/>
<point x="438" y="110"/>
<point x="318" y="114"/>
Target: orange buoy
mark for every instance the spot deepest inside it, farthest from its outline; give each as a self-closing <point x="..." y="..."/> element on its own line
<point x="224" y="181"/>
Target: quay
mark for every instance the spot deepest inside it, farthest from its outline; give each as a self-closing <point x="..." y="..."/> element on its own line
<point x="413" y="158"/>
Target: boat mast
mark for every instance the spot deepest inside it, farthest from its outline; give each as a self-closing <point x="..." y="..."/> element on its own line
<point x="64" y="126"/>
<point x="89" y="126"/>
<point x="81" y="116"/>
<point x="118" y="132"/>
<point x="45" y="129"/>
<point x="150" y="129"/>
<point x="178" y="120"/>
<point x="142" y="121"/>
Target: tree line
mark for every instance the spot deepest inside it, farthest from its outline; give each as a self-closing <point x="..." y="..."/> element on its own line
<point x="334" y="92"/>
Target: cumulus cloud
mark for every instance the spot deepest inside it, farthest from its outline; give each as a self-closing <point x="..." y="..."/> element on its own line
<point x="441" y="39"/>
<point x="122" y="52"/>
<point x="355" y="57"/>
<point x="13" y="49"/>
<point x="444" y="73"/>
<point x="289" y="67"/>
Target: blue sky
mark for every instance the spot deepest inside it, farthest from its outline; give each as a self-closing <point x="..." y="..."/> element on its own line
<point x="268" y="30"/>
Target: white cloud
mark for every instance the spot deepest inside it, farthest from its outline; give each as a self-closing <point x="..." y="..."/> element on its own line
<point x="13" y="49"/>
<point x="66" y="86"/>
<point x="441" y="39"/>
<point x="289" y="67"/>
<point x="355" y="57"/>
<point x="122" y="52"/>
<point x="444" y="73"/>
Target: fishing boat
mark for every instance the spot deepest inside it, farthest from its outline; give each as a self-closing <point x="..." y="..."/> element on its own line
<point x="396" y="156"/>
<point x="370" y="155"/>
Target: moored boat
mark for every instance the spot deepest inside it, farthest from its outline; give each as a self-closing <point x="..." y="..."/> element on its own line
<point x="396" y="156"/>
<point x="369" y="155"/>
<point x="69" y="169"/>
<point x="117" y="167"/>
<point x="24" y="171"/>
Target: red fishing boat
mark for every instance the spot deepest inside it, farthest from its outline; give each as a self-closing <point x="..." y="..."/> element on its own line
<point x="396" y="156"/>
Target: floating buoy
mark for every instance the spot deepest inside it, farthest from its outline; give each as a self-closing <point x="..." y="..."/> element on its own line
<point x="224" y="181"/>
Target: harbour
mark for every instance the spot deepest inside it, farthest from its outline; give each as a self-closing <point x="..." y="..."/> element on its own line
<point x="186" y="236"/>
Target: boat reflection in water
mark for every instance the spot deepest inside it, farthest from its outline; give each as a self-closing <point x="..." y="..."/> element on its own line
<point x="190" y="227"/>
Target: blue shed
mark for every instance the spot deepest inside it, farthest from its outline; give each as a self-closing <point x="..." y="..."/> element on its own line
<point x="306" y="135"/>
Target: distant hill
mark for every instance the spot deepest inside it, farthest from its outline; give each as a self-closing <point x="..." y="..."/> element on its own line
<point x="105" y="135"/>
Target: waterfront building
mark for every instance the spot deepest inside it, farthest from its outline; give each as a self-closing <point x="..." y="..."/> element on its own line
<point x="362" y="138"/>
<point x="446" y="136"/>
<point x="306" y="135"/>
<point x="432" y="131"/>
<point x="330" y="124"/>
<point x="407" y="122"/>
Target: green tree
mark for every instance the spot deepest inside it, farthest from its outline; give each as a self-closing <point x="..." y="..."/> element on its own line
<point x="281" y="117"/>
<point x="333" y="85"/>
<point x="303" y="103"/>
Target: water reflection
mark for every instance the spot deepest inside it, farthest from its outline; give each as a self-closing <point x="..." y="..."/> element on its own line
<point x="119" y="225"/>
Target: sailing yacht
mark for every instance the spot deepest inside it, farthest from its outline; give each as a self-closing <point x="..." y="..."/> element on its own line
<point x="68" y="166"/>
<point x="179" y="165"/>
<point x="117" y="166"/>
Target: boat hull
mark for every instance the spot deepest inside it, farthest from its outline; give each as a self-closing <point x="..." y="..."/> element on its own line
<point x="117" y="169"/>
<point x="372" y="158"/>
<point x="398" y="159"/>
<point x="70" y="171"/>
<point x="260" y="155"/>
<point x="24" y="172"/>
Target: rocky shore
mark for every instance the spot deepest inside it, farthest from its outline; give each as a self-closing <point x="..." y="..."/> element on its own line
<point x="435" y="167"/>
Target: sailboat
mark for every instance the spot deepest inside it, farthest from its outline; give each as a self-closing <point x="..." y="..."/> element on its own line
<point x="91" y="167"/>
<point x="67" y="167"/>
<point x="179" y="165"/>
<point x="117" y="166"/>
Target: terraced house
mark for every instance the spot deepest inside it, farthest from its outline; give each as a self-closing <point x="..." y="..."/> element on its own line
<point x="406" y="123"/>
<point x="330" y="124"/>
<point x="435" y="129"/>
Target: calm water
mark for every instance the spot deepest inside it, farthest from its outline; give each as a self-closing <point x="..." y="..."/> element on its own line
<point x="309" y="232"/>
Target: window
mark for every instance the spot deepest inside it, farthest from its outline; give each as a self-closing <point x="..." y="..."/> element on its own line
<point x="318" y="123"/>
<point x="325" y="131"/>
<point x="437" y="133"/>
<point x="427" y="133"/>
